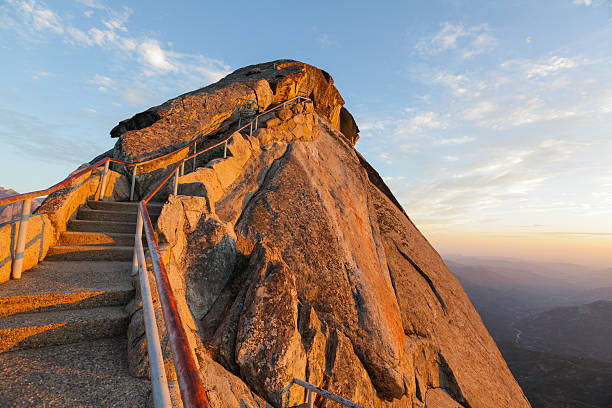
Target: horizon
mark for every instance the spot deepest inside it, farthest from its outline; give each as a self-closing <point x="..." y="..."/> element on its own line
<point x="490" y="124"/>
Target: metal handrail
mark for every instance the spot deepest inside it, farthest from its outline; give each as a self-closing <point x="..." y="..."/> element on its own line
<point x="17" y="266"/>
<point x="161" y="393"/>
<point x="311" y="388"/>
<point x="190" y="385"/>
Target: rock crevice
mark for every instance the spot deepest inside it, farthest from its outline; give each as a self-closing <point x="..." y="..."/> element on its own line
<point x="293" y="259"/>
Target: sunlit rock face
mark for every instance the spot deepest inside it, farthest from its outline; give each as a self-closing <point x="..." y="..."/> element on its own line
<point x="164" y="127"/>
<point x="293" y="260"/>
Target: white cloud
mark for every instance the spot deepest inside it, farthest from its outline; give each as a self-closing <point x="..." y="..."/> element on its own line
<point x="545" y="66"/>
<point x="470" y="41"/>
<point x="42" y="74"/>
<point x="109" y="32"/>
<point x="456" y="140"/>
<point x="528" y="111"/>
<point x="103" y="82"/>
<point x="552" y="65"/>
<point x="447" y="37"/>
<point x="460" y="85"/>
<point x="479" y="110"/>
<point x="365" y="126"/>
<point x="389" y="179"/>
<point x="153" y="55"/>
<point x="583" y="2"/>
<point x="38" y="16"/>
<point x="386" y="157"/>
<point x="503" y="177"/>
<point x="421" y="122"/>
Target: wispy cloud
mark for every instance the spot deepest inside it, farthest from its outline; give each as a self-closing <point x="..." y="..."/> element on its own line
<point x="109" y="31"/>
<point x="50" y="142"/>
<point x="42" y="74"/>
<point x="583" y="2"/>
<point x="38" y="16"/>
<point x="469" y="41"/>
<point x="418" y="123"/>
<point x="544" y="67"/>
<point x="456" y="140"/>
<point x="502" y="174"/>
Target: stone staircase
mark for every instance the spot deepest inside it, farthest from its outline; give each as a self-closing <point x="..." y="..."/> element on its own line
<point x="63" y="324"/>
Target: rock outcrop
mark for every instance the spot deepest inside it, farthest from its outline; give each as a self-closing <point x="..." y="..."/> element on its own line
<point x="162" y="128"/>
<point x="293" y="259"/>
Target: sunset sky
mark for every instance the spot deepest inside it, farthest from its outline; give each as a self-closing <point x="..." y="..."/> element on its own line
<point x="490" y="121"/>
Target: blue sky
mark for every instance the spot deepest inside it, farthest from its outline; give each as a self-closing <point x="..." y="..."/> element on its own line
<point x="491" y="121"/>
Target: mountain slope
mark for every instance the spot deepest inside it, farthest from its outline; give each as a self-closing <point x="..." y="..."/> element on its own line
<point x="294" y="260"/>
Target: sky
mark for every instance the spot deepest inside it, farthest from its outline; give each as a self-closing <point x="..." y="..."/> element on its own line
<point x="491" y="121"/>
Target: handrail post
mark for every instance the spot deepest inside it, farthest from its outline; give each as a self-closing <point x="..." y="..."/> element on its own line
<point x="21" y="238"/>
<point x="195" y="148"/>
<point x="251" y="130"/>
<point x="183" y="169"/>
<point x="137" y="237"/>
<point x="225" y="150"/>
<point x="176" y="177"/>
<point x="133" y="182"/>
<point x="256" y="119"/>
<point x="309" y="399"/>
<point x="104" y="181"/>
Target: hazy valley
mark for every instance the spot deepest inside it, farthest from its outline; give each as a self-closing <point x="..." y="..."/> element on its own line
<point x="552" y="323"/>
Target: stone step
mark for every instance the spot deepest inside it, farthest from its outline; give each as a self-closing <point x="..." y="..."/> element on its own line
<point x="123" y="206"/>
<point x="87" y="374"/>
<point x="101" y="215"/>
<point x="89" y="253"/>
<point x="67" y="285"/>
<point x="96" y="238"/>
<point x="102" y="226"/>
<point x="31" y="330"/>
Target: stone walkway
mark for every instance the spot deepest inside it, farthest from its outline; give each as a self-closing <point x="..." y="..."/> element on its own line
<point x="63" y="324"/>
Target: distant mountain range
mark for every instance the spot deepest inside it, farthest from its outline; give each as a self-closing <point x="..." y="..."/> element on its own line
<point x="506" y="292"/>
<point x="584" y="330"/>
<point x="559" y="381"/>
<point x="13" y="211"/>
<point x="552" y="322"/>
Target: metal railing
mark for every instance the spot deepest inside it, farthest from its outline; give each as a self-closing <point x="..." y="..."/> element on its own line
<point x="19" y="254"/>
<point x="190" y="385"/>
<point x="313" y="389"/>
<point x="192" y="391"/>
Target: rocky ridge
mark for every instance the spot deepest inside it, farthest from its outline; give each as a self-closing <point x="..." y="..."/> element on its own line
<point x="292" y="259"/>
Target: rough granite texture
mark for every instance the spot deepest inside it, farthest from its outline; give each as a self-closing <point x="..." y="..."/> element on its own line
<point x="292" y="259"/>
<point x="163" y="128"/>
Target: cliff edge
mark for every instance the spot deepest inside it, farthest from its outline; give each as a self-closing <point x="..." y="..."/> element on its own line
<point x="292" y="259"/>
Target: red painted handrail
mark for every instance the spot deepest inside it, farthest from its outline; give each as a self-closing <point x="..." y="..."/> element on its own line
<point x="190" y="385"/>
<point x="67" y="180"/>
<point x="192" y="391"/>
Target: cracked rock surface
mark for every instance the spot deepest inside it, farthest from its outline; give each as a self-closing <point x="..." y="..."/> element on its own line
<point x="292" y="259"/>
